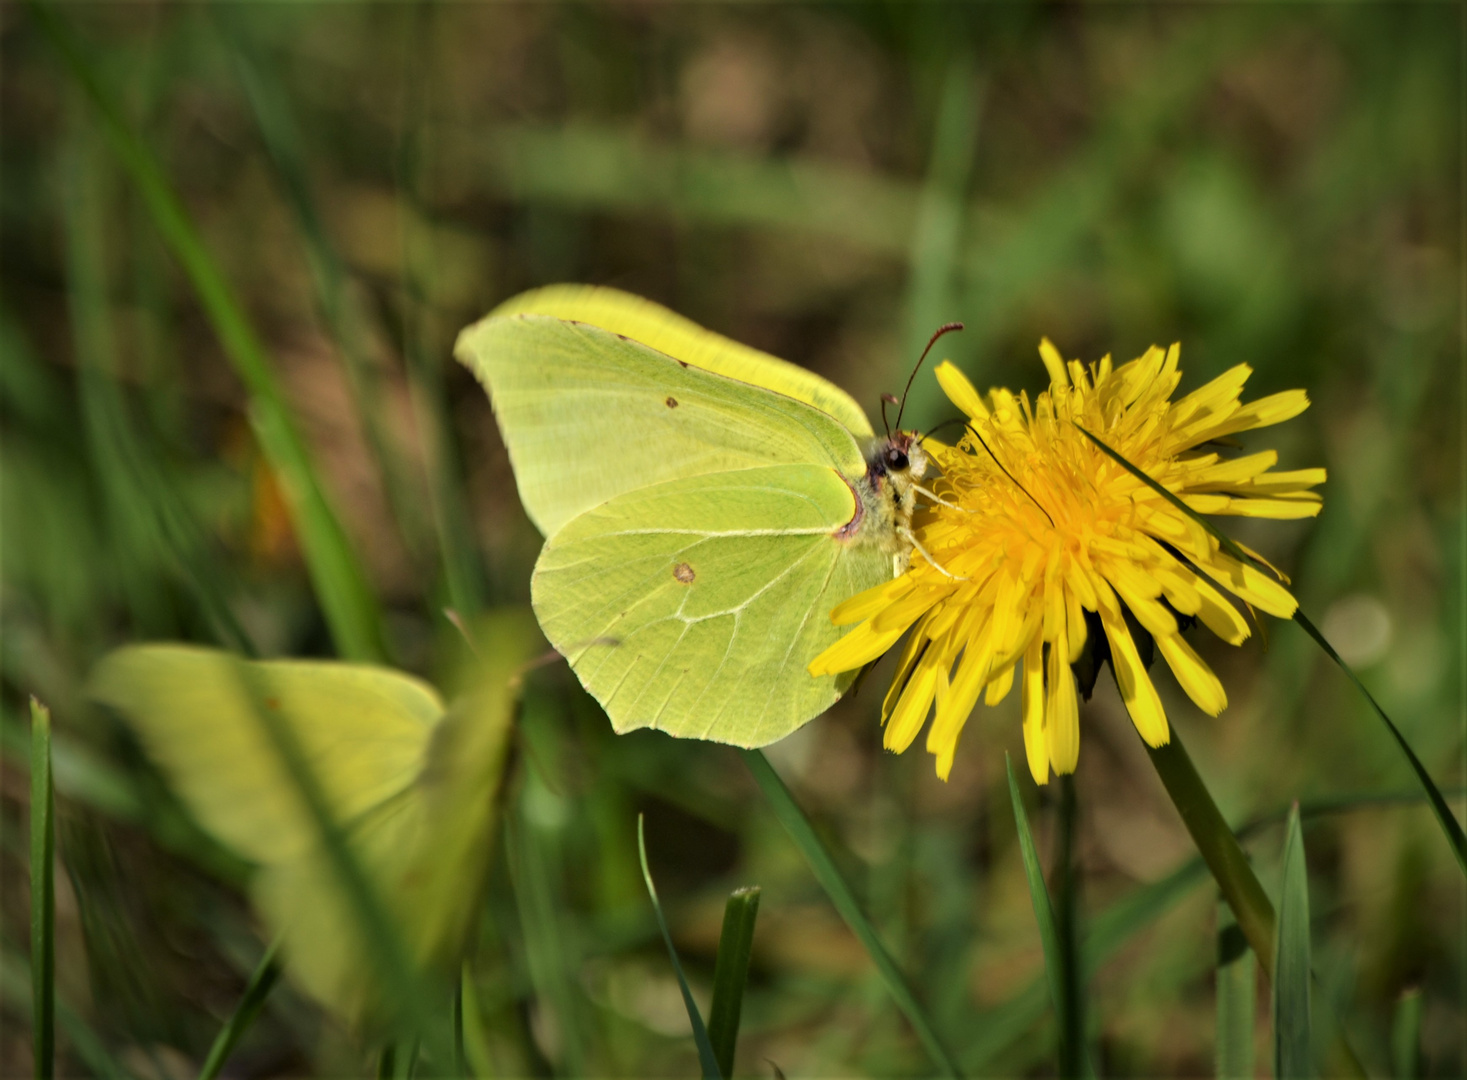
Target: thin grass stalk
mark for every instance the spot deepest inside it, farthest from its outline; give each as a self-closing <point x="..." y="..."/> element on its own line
<point x="788" y="811"/>
<point x="731" y="974"/>
<point x="707" y="1059"/>
<point x="43" y="896"/>
<point x="262" y="981"/>
<point x="341" y="585"/>
<point x="133" y="476"/>
<point x="545" y="940"/>
<point x="1450" y="826"/>
<point x="1061" y="971"/>
<point x="1406" y="1036"/>
<point x="462" y="572"/>
<point x="342" y="317"/>
<point x="477" y="1060"/>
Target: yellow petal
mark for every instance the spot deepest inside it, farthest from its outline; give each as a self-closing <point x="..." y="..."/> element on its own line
<point x="1303" y="505"/>
<point x="1137" y="691"/>
<point x="1074" y="625"/>
<point x="905" y="611"/>
<point x="967" y="683"/>
<point x="1062" y="715"/>
<point x="999" y="686"/>
<point x="1218" y="615"/>
<point x="1053" y="363"/>
<point x="860" y="646"/>
<point x="1250" y="584"/>
<point x="1035" y="748"/>
<point x="960" y="391"/>
<point x="1226" y="475"/>
<point x="1281" y="482"/>
<point x="1195" y="677"/>
<point x="911" y="711"/>
<point x="865" y="604"/>
<point x="914" y="650"/>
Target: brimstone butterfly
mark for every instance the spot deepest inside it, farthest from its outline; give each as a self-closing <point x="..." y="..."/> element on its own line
<point x="705" y="506"/>
<point x="414" y="784"/>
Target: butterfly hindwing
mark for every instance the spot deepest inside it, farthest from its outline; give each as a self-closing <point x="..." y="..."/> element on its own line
<point x="693" y="606"/>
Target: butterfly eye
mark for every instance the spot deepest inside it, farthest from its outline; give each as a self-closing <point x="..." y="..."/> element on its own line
<point x="896" y="460"/>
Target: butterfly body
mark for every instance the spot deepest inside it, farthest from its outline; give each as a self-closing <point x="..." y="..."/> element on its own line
<point x="690" y="581"/>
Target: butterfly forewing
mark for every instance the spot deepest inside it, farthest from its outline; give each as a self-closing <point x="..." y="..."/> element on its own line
<point x="587" y="415"/>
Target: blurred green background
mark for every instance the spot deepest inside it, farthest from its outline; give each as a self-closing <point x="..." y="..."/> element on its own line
<point x="1277" y="185"/>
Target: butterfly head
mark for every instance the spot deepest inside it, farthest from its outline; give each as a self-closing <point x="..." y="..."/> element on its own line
<point x="899" y="457"/>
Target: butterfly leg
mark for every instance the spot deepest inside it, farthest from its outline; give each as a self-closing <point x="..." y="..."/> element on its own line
<point x="907" y="534"/>
<point x="940" y="500"/>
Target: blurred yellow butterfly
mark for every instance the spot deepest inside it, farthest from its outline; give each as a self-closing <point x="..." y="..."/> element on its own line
<point x="414" y="784"/>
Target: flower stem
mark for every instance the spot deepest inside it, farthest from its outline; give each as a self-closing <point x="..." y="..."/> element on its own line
<point x="1072" y="1019"/>
<point x="1219" y="848"/>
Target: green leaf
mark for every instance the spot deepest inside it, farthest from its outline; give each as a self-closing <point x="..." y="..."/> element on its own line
<point x="803" y="833"/>
<point x="250" y="1004"/>
<point x="1406" y="1036"/>
<point x="43" y="896"/>
<point x="341" y="584"/>
<point x="706" y="1057"/>
<point x="1237" y="972"/>
<point x="1448" y="821"/>
<point x="731" y="973"/>
<point x="1292" y="1058"/>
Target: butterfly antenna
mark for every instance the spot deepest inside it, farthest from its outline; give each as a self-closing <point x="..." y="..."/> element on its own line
<point x="945" y="328"/>
<point x="973" y="431"/>
<point x="945" y="423"/>
<point x="886" y="399"/>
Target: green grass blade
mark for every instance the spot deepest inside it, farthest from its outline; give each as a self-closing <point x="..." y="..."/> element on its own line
<point x="143" y="507"/>
<point x="339" y="580"/>
<point x="706" y="1057"/>
<point x="423" y="347"/>
<point x="81" y="1038"/>
<point x="788" y="811"/>
<point x="387" y="1062"/>
<point x="1237" y="973"/>
<point x="731" y="973"/>
<point x="1060" y="969"/>
<point x="250" y="1003"/>
<point x="1292" y="1056"/>
<point x="43" y="896"/>
<point x="1406" y="1036"/>
<point x="477" y="1060"/>
<point x="1448" y="821"/>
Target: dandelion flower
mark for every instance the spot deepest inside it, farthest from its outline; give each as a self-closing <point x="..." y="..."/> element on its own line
<point x="1037" y="537"/>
